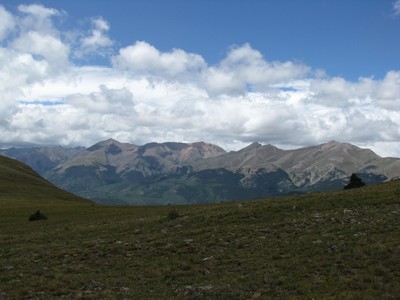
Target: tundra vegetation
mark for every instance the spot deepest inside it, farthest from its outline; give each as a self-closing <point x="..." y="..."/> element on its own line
<point x="342" y="244"/>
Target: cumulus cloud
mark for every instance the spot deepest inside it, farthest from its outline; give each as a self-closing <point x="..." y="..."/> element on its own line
<point x="37" y="35"/>
<point x="17" y="70"/>
<point x="245" y="69"/>
<point x="146" y="94"/>
<point x="7" y="23"/>
<point x="388" y="91"/>
<point x="36" y="17"/>
<point x="106" y="101"/>
<point x="48" y="47"/>
<point x="143" y="58"/>
<point x="97" y="42"/>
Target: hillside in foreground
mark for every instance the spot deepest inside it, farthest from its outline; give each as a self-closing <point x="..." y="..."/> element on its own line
<point x="20" y="185"/>
<point x="342" y="244"/>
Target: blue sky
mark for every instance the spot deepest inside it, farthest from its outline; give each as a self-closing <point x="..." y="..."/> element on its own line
<point x="290" y="73"/>
<point x="344" y="38"/>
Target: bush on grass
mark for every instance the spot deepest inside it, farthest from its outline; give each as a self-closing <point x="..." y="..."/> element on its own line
<point x="37" y="216"/>
<point x="172" y="215"/>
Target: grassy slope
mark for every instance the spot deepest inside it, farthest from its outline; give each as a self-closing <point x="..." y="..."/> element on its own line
<point x="19" y="183"/>
<point x="323" y="245"/>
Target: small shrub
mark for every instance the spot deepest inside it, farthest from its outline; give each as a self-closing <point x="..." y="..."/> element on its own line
<point x="172" y="215"/>
<point x="37" y="216"/>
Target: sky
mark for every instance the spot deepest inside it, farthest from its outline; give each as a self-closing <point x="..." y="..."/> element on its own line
<point x="291" y="73"/>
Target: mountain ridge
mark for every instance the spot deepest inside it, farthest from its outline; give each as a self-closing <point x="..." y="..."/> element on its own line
<point x="172" y="172"/>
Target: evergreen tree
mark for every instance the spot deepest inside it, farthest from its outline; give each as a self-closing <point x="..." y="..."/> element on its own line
<point x="354" y="182"/>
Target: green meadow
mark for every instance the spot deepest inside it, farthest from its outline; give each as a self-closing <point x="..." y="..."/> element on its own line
<point x="343" y="244"/>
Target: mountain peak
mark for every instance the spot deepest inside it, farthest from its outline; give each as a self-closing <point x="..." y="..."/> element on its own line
<point x="109" y="142"/>
<point x="348" y="148"/>
<point x="333" y="142"/>
<point x="103" y="144"/>
<point x="254" y="145"/>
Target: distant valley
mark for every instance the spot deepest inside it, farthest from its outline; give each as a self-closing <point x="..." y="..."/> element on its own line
<point x="117" y="173"/>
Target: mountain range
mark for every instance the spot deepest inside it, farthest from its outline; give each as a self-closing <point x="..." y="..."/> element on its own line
<point x="111" y="172"/>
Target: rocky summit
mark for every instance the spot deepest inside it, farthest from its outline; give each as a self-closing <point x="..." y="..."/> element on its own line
<point x="161" y="173"/>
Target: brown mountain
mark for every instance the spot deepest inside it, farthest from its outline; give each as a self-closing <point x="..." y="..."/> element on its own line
<point x="122" y="173"/>
<point x="309" y="165"/>
<point x="149" y="159"/>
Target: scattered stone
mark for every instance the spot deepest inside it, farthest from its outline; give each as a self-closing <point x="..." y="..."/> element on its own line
<point x="205" y="288"/>
<point x="205" y="272"/>
<point x="257" y="295"/>
<point x="192" y="290"/>
<point x="8" y="268"/>
<point x="207" y="258"/>
<point x="92" y="286"/>
<point x="317" y="242"/>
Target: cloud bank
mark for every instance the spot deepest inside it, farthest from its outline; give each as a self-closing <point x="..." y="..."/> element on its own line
<point x="50" y="96"/>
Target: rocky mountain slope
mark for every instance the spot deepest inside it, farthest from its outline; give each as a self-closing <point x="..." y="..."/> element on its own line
<point x="122" y="173"/>
<point x="307" y="166"/>
<point x="150" y="159"/>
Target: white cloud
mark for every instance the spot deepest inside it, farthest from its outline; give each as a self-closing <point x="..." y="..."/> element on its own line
<point x="107" y="101"/>
<point x="38" y="10"/>
<point x="35" y="34"/>
<point x="37" y="18"/>
<point x="150" y="95"/>
<point x="52" y="49"/>
<point x="388" y="91"/>
<point x="396" y="8"/>
<point x="143" y="58"/>
<point x="97" y="42"/>
<point x="7" y="23"/>
<point x="17" y="70"/>
<point x="245" y="68"/>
